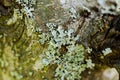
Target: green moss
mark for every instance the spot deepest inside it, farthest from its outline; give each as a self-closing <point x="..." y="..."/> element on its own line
<point x="19" y="47"/>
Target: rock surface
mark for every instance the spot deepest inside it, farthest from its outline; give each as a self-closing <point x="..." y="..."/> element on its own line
<point x="20" y="48"/>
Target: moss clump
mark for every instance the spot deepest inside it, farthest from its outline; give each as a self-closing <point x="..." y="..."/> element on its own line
<point x="19" y="45"/>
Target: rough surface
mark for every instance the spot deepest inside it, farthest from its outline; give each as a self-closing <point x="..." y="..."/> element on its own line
<point x="103" y="6"/>
<point x="59" y="39"/>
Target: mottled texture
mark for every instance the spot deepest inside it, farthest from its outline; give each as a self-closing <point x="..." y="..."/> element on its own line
<point x="51" y="40"/>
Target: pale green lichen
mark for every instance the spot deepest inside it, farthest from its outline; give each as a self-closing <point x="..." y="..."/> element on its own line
<point x="28" y="8"/>
<point x="70" y="63"/>
<point x="89" y="50"/>
<point x="73" y="13"/>
<point x="107" y="51"/>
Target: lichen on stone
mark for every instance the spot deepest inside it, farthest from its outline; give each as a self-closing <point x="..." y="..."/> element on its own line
<point x="106" y="51"/>
<point x="104" y="6"/>
<point x="56" y="49"/>
<point x="27" y="5"/>
<point x="63" y="51"/>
